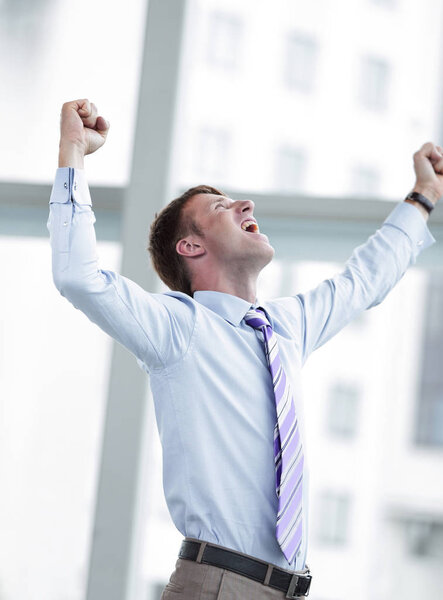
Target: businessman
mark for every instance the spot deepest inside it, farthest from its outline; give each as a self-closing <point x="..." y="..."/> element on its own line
<point x="224" y="366"/>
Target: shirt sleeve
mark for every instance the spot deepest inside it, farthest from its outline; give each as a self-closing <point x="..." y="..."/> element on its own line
<point x="370" y="273"/>
<point x="156" y="328"/>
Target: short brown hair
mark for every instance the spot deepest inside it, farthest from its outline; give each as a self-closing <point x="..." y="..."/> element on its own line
<point x="168" y="227"/>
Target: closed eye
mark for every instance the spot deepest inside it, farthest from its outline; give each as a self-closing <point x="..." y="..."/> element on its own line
<point x="223" y="203"/>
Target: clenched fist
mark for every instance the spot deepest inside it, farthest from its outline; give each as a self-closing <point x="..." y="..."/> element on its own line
<point x="82" y="132"/>
<point x="428" y="166"/>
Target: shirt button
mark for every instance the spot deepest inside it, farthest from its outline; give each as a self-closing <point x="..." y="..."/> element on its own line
<point x="65" y="223"/>
<point x="75" y="185"/>
<point x="66" y="185"/>
<point x="420" y="243"/>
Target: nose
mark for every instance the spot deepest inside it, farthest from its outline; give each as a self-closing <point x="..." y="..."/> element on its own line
<point x="247" y="205"/>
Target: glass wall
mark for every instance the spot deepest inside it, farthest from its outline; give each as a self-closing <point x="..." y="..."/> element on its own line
<point x="289" y="99"/>
<point x="54" y="369"/>
<point x="52" y="51"/>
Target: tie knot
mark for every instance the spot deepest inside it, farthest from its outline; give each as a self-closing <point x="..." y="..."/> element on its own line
<point x="256" y="318"/>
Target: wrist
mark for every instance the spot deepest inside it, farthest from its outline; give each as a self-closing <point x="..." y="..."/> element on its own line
<point x="70" y="154"/>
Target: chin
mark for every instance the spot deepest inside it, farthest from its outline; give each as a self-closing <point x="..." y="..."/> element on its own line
<point x="268" y="255"/>
<point x="271" y="251"/>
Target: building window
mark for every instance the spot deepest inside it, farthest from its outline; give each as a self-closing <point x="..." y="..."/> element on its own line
<point x="213" y="154"/>
<point x="384" y="3"/>
<point x="224" y="41"/>
<point x="333" y="518"/>
<point x="430" y="397"/>
<point x="419" y="537"/>
<point x="343" y="410"/>
<point x="290" y="169"/>
<point x="301" y="60"/>
<point x="374" y="83"/>
<point x="365" y="182"/>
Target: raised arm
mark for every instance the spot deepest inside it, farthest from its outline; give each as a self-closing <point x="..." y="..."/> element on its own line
<point x="156" y="328"/>
<point x="376" y="266"/>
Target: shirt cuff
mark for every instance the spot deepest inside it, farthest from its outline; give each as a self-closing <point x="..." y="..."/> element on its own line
<point x="70" y="185"/>
<point x="408" y="219"/>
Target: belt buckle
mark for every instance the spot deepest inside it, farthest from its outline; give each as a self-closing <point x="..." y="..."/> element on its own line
<point x="293" y="584"/>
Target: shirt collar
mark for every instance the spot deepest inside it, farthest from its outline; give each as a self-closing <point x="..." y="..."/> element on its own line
<point x="231" y="308"/>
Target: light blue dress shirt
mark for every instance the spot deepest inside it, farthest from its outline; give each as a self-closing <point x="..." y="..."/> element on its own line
<point x="211" y="386"/>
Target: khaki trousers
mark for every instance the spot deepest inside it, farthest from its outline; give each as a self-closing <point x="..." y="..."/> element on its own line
<point x="197" y="581"/>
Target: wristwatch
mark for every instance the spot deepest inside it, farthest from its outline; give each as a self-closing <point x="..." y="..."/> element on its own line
<point x="429" y="206"/>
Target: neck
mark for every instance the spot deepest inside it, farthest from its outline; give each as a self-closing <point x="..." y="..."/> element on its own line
<point x="244" y="286"/>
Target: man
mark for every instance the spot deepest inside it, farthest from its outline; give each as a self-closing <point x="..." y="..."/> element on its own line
<point x="224" y="368"/>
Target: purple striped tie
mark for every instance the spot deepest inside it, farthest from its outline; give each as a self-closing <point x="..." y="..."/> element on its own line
<point x="288" y="451"/>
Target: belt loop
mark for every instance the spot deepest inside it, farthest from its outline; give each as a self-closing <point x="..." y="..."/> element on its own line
<point x="292" y="586"/>
<point x="200" y="552"/>
<point x="268" y="575"/>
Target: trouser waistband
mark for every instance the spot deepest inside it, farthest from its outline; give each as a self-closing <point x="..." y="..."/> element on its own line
<point x="295" y="585"/>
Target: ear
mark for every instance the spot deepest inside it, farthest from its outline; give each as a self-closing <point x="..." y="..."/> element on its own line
<point x="189" y="247"/>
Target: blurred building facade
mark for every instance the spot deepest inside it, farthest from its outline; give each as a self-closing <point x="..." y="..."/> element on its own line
<point x="283" y="98"/>
<point x="337" y="90"/>
<point x="337" y="108"/>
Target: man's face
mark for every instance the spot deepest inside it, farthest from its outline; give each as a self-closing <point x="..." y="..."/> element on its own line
<point x="231" y="233"/>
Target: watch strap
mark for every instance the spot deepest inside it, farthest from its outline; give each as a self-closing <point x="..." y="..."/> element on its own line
<point x="429" y="206"/>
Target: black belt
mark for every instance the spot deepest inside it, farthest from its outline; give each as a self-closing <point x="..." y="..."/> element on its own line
<point x="293" y="584"/>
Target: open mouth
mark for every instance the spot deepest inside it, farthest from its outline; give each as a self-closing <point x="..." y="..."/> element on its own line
<point x="250" y="227"/>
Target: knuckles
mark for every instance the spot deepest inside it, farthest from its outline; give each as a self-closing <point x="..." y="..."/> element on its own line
<point x="427" y="147"/>
<point x="71" y="103"/>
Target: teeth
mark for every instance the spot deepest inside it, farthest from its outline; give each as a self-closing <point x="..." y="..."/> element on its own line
<point x="246" y="224"/>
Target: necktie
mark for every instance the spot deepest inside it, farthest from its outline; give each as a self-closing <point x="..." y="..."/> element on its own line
<point x="288" y="451"/>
